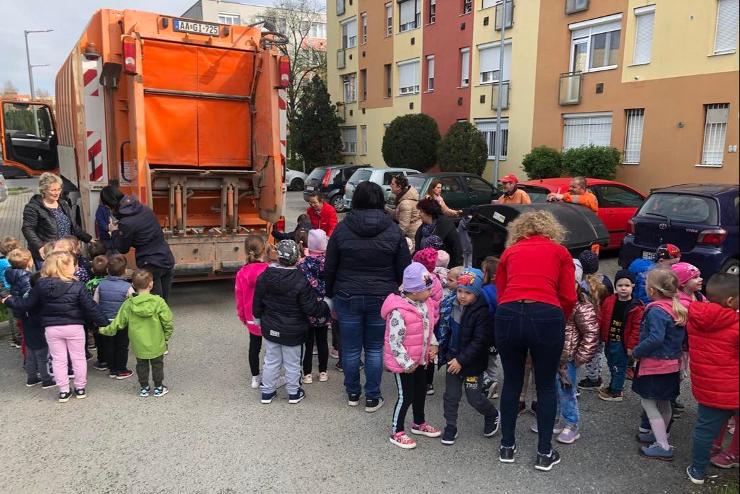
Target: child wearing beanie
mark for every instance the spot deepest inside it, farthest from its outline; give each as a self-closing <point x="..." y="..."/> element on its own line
<point x="466" y="334"/>
<point x="410" y="347"/>
<point x="690" y="283"/>
<point x="621" y="314"/>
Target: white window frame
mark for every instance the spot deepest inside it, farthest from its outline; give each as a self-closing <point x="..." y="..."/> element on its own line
<point x="464" y="67"/>
<point x="644" y="25"/>
<point x="389" y="19"/>
<point x="228" y="18"/>
<point x="363" y="138"/>
<point x="363" y="24"/>
<point x="633" y="135"/>
<point x="408" y="26"/>
<point x="583" y="32"/>
<point x="318" y="30"/>
<point x="349" y="146"/>
<point x="349" y="88"/>
<point x="340" y="7"/>
<point x="412" y="88"/>
<point x="430" y="73"/>
<point x="489" y="76"/>
<point x="588" y="121"/>
<point x="487" y="4"/>
<point x="487" y="127"/>
<point x="347" y="40"/>
<point x="716" y="117"/>
<point x="727" y="21"/>
<point x="432" y="11"/>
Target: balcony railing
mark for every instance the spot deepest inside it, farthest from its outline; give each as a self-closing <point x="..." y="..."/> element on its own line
<point x="505" y="87"/>
<point x="341" y="58"/>
<point x="570" y="88"/>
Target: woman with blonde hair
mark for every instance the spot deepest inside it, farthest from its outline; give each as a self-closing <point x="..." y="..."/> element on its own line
<point x="536" y="290"/>
<point x="64" y="306"/>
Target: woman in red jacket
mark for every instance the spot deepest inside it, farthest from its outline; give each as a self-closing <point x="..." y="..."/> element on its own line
<point x="322" y="215"/>
<point x="536" y="295"/>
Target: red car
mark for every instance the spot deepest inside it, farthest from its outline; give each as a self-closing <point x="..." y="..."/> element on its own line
<point x="617" y="202"/>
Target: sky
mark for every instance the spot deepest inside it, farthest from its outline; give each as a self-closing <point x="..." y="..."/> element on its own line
<point x="67" y="18"/>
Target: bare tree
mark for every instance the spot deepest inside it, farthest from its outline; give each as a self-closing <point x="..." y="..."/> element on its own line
<point x="9" y="88"/>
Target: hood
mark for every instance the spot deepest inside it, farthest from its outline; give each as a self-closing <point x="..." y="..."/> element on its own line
<point x="14" y="275"/>
<point x="128" y="206"/>
<point x="393" y="302"/>
<point x="276" y="276"/>
<point x="53" y="287"/>
<point x="37" y="199"/>
<point x="641" y="265"/>
<point x="409" y="195"/>
<point x="710" y="317"/>
<point x="368" y="222"/>
<point x="144" y="305"/>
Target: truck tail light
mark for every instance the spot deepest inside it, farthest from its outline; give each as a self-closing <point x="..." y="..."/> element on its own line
<point x="327" y="177"/>
<point x="631" y="226"/>
<point x="129" y="55"/>
<point x="284" y="71"/>
<point x="712" y="237"/>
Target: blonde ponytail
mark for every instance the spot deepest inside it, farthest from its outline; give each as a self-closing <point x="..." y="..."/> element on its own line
<point x="680" y="311"/>
<point x="665" y="282"/>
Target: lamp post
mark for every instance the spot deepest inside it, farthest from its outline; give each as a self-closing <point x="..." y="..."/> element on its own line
<point x="26" y="32"/>
<point x="499" y="102"/>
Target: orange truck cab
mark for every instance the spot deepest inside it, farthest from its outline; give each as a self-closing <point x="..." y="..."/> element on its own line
<point x="28" y="141"/>
<point x="189" y="116"/>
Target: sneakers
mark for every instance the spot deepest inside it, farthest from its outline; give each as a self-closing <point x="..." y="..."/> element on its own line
<point x="80" y="394"/>
<point x="124" y="374"/>
<point x="48" y="384"/>
<point x="449" y="435"/>
<point x="353" y="399"/>
<point x="161" y="391"/>
<point x="506" y="455"/>
<point x="546" y="462"/>
<point x="569" y="435"/>
<point x="32" y="381"/>
<point x="491" y="425"/>
<point x="297" y="397"/>
<point x="694" y="476"/>
<point x="430" y="389"/>
<point x="724" y="459"/>
<point x="101" y="366"/>
<point x="307" y="379"/>
<point x="656" y="452"/>
<point x="556" y="428"/>
<point x="144" y="391"/>
<point x="338" y="366"/>
<point x="425" y="430"/>
<point x="323" y="377"/>
<point x="268" y="397"/>
<point x="334" y="353"/>
<point x="15" y="343"/>
<point x="402" y="440"/>
<point x="607" y="395"/>
<point x="256" y="380"/>
<point x="373" y="404"/>
<point x="589" y="384"/>
<point x="64" y="396"/>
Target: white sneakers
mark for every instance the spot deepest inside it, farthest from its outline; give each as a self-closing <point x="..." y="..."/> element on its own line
<point x="256" y="380"/>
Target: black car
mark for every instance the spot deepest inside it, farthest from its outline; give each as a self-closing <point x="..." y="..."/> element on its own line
<point x="459" y="190"/>
<point x="330" y="180"/>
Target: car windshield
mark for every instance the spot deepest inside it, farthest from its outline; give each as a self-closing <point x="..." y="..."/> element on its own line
<point x="417" y="182"/>
<point x="317" y="173"/>
<point x="681" y="207"/>
<point x="360" y="176"/>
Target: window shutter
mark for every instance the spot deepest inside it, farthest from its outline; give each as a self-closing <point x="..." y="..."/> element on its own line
<point x="406" y="76"/>
<point x="644" y="38"/>
<point x="352" y="29"/>
<point x="728" y="14"/>
<point x="488" y="59"/>
<point x="465" y="67"/>
<point x="430" y="67"/>
<point x="407" y="14"/>
<point x="586" y="130"/>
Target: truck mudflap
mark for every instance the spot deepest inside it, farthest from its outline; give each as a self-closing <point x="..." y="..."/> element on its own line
<point x="203" y="256"/>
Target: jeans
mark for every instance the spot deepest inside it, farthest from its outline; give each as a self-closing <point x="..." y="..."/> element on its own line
<point x="361" y="328"/>
<point x="412" y="392"/>
<point x="37" y="364"/>
<point x="62" y="339"/>
<point x="278" y="356"/>
<point x="454" y="384"/>
<point x="708" y="424"/>
<point x="162" y="281"/>
<point x="616" y="359"/>
<point x="568" y="403"/>
<point x="142" y="370"/>
<point x="593" y="366"/>
<point x="540" y="329"/>
<point x="320" y="336"/>
<point x="255" y="346"/>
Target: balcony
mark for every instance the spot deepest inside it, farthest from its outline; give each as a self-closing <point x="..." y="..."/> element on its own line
<point x="570" y="88"/>
<point x="341" y="58"/>
<point x="505" y="87"/>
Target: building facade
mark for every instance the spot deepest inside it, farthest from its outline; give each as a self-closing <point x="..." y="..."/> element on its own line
<point x="657" y="79"/>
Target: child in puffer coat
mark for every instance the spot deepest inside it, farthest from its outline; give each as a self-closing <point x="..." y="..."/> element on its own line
<point x="410" y="347"/>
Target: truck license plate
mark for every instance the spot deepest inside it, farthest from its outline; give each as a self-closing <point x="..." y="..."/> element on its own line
<point x="185" y="26"/>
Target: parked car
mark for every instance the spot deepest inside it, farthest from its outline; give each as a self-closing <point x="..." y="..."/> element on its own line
<point x="3" y="188"/>
<point x="459" y="190"/>
<point x="617" y="202"/>
<point x="330" y="180"/>
<point x="381" y="176"/>
<point x="700" y="219"/>
<point x="295" y="180"/>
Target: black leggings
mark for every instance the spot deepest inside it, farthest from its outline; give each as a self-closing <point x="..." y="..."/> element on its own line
<point x="255" y="346"/>
<point x="412" y="391"/>
<point x="320" y="336"/>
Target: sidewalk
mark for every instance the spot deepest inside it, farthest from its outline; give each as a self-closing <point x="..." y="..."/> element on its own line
<point x="11" y="215"/>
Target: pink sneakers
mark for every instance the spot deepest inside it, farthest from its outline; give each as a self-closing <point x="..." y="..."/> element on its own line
<point x="725" y="460"/>
<point x="569" y="435"/>
<point x="401" y="440"/>
<point x="425" y="430"/>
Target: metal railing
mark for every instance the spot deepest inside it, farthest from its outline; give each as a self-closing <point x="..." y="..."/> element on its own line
<point x="570" y="88"/>
<point x="341" y="58"/>
<point x="505" y="87"/>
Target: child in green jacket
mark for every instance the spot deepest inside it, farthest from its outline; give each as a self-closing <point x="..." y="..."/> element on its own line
<point x="149" y="322"/>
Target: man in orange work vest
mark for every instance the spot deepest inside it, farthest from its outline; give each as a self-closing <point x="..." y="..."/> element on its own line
<point x="577" y="194"/>
<point x="512" y="194"/>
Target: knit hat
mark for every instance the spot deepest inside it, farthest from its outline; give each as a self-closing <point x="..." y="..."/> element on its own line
<point x="416" y="278"/>
<point x="667" y="251"/>
<point x="317" y="240"/>
<point x="685" y="272"/>
<point x="589" y="262"/>
<point x="287" y="251"/>
<point x="625" y="274"/>
<point x="443" y="259"/>
<point x="427" y="257"/>
<point x="471" y="280"/>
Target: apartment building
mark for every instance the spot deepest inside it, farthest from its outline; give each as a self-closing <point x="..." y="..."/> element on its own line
<point x="657" y="79"/>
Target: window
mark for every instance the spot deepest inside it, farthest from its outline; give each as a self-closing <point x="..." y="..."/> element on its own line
<point x="587" y="129"/>
<point x="432" y="11"/>
<point x="231" y="19"/>
<point x="363" y="84"/>
<point x="633" y="135"/>
<point x="389" y="176"/>
<point x="389" y="19"/>
<point x="465" y="67"/>
<point x="409" y="15"/>
<point x="349" y="88"/>
<point x="363" y="20"/>
<point x="387" y="80"/>
<point x="408" y="77"/>
<point x="725" y="37"/>
<point x="715" y="130"/>
<point x="349" y="34"/>
<point x="488" y="129"/>
<point x="476" y="184"/>
<point x="363" y="136"/>
<point x="595" y="44"/>
<point x="490" y="57"/>
<point x="500" y="14"/>
<point x="349" y="140"/>
<point x="340" y="7"/>
<point x="488" y="3"/>
<point x="681" y="208"/>
<point x="467" y="6"/>
<point x="644" y="22"/>
<point x="430" y="73"/>
<point x="318" y="30"/>
<point x="573" y="6"/>
<point x="614" y="196"/>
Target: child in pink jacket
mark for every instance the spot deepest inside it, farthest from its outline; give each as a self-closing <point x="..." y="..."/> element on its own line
<point x="246" y="280"/>
<point x="410" y="346"/>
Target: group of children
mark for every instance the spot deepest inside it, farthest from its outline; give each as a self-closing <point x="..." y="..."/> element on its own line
<point x="78" y="302"/>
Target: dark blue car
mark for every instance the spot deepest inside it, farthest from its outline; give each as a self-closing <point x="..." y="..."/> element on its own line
<point x="701" y="219"/>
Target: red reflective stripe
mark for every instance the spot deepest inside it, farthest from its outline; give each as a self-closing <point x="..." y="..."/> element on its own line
<point x="95" y="149"/>
<point x="89" y="76"/>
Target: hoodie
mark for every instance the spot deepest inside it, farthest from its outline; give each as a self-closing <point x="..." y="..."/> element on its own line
<point x="149" y="323"/>
<point x="138" y="228"/>
<point x="366" y="255"/>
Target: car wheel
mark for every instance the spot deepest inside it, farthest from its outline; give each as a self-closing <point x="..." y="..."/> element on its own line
<point x="732" y="267"/>
<point x="337" y="202"/>
<point x="296" y="184"/>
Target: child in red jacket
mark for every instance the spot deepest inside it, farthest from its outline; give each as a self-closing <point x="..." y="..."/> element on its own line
<point x="714" y="357"/>
<point x="621" y="314"/>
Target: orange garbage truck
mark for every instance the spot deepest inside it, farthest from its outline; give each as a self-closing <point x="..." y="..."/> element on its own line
<point x="189" y="116"/>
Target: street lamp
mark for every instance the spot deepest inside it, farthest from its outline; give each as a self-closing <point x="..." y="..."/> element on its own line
<point x="26" y="32"/>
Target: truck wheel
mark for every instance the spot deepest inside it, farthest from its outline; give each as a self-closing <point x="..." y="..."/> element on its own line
<point x="296" y="184"/>
<point x="732" y="267"/>
<point x="337" y="202"/>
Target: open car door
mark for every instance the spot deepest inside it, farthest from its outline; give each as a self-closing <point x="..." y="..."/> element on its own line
<point x="28" y="142"/>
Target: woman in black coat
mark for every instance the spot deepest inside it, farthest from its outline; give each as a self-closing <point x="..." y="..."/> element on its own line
<point x="46" y="218"/>
<point x="436" y="224"/>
